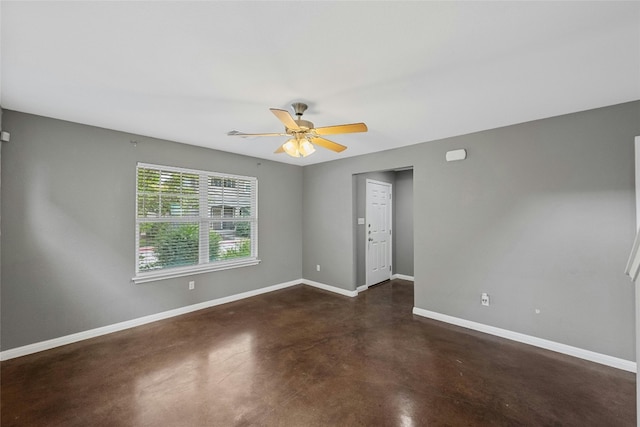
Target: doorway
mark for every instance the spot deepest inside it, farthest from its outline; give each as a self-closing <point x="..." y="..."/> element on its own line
<point x="401" y="180"/>
<point x="378" y="220"/>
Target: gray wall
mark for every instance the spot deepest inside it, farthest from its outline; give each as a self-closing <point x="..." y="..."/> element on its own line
<point x="68" y="205"/>
<point x="540" y="215"/>
<point x="403" y="223"/>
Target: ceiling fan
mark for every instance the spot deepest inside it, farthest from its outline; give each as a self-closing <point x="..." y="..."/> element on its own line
<point x="302" y="134"/>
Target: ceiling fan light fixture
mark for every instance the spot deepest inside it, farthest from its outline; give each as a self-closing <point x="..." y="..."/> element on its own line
<point x="291" y="147"/>
<point x="306" y="148"/>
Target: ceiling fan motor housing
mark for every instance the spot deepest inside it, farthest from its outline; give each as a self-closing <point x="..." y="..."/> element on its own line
<point x="304" y="125"/>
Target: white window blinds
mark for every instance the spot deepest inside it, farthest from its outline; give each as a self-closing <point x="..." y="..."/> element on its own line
<point x="191" y="221"/>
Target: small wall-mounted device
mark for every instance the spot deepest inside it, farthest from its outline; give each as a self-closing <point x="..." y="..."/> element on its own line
<point x="484" y="298"/>
<point x="454" y="155"/>
<point x="5" y="136"/>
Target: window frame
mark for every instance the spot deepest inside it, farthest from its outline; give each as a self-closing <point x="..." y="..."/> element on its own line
<point x="204" y="219"/>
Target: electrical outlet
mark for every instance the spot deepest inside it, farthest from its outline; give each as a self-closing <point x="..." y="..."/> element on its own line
<point x="484" y="298"/>
<point x="192" y="285"/>
<point x="318" y="267"/>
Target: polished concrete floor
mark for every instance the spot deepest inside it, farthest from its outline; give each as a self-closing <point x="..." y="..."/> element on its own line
<point x="306" y="357"/>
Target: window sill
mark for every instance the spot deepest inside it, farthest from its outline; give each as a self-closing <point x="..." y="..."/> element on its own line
<point x="188" y="271"/>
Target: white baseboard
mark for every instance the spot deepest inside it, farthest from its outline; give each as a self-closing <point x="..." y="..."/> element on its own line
<point x="402" y="276"/>
<point x="603" y="359"/>
<point x="362" y="288"/>
<point x="92" y="333"/>
<point x="330" y="288"/>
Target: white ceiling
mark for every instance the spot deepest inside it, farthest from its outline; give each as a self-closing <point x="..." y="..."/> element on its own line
<point x="412" y="71"/>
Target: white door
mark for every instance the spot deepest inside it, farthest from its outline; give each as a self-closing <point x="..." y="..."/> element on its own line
<point x="378" y="232"/>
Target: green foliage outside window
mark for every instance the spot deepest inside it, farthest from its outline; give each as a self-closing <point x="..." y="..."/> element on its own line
<point x="177" y="246"/>
<point x="243" y="229"/>
<point x="214" y="245"/>
<point x="173" y="245"/>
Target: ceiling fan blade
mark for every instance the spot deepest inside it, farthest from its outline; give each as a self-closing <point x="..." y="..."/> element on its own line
<point x="332" y="130"/>
<point x="279" y="150"/>
<point x="242" y="134"/>
<point x="285" y="117"/>
<point x="330" y="145"/>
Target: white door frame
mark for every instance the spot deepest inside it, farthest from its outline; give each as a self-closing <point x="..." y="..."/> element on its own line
<point x="366" y="236"/>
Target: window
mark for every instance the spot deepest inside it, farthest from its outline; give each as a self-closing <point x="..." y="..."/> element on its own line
<point x="190" y="221"/>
